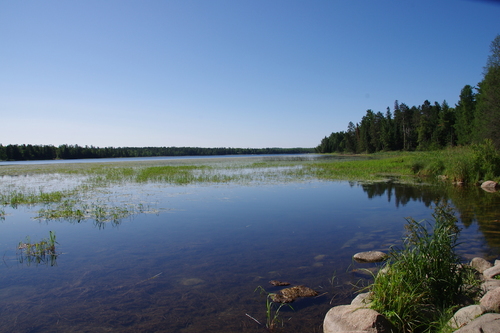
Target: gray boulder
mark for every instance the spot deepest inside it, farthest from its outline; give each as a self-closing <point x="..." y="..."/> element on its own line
<point x="351" y="318"/>
<point x="487" y="323"/>
<point x="490" y="285"/>
<point x="491" y="301"/>
<point x="480" y="264"/>
<point x="490" y="273"/>
<point x="489" y="186"/>
<point x="370" y="256"/>
<point x="465" y="315"/>
<point x="362" y="300"/>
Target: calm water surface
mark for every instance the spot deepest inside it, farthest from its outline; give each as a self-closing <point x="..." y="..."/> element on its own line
<point x="195" y="265"/>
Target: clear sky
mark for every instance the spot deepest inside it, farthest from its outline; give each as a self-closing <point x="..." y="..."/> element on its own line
<point x="228" y="73"/>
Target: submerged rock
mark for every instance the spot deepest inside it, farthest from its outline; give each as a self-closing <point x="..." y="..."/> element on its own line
<point x="277" y="283"/>
<point x="289" y="295"/>
<point x="370" y="256"/>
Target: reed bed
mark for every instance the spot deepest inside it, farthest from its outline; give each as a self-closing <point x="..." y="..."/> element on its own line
<point x="77" y="180"/>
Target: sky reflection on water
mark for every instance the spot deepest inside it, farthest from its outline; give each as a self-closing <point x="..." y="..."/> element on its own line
<point x="194" y="266"/>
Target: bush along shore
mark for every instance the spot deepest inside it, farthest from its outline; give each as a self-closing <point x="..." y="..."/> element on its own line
<point x="422" y="287"/>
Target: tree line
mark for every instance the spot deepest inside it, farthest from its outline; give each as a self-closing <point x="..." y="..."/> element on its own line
<point x="429" y="126"/>
<point x="26" y="152"/>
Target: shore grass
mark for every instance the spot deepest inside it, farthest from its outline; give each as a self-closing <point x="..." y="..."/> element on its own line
<point x="423" y="282"/>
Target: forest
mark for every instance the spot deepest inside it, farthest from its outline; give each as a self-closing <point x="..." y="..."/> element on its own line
<point x="48" y="152"/>
<point x="430" y="126"/>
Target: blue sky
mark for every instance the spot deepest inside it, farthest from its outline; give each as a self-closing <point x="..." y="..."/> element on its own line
<point x="228" y="73"/>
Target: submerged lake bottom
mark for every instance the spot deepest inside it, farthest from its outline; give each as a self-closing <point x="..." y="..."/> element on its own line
<point x="200" y="263"/>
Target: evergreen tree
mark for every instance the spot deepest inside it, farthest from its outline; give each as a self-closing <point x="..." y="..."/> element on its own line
<point x="465" y="112"/>
<point x="487" y="122"/>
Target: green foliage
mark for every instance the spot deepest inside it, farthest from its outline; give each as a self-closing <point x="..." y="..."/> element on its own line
<point x="273" y="320"/>
<point x="17" y="197"/>
<point x="42" y="152"/>
<point x="40" y="252"/>
<point x="423" y="278"/>
<point x="429" y="127"/>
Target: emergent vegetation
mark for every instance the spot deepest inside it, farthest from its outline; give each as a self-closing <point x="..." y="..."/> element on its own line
<point x="41" y="252"/>
<point x="423" y="281"/>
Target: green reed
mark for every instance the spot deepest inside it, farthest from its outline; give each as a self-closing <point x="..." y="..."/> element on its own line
<point x="273" y="319"/>
<point x="19" y="197"/>
<point x="423" y="279"/>
<point x="43" y="251"/>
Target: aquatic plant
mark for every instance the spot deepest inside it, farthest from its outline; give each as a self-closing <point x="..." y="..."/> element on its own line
<point x="19" y="197"/>
<point x="43" y="251"/>
<point x="423" y="279"/>
<point x="273" y="320"/>
<point x="74" y="210"/>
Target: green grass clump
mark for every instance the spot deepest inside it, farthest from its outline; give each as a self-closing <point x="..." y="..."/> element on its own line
<point x="423" y="279"/>
<point x="376" y="167"/>
<point x="18" y="197"/>
<point x="43" y="251"/>
<point x="169" y="174"/>
<point x="74" y="210"/>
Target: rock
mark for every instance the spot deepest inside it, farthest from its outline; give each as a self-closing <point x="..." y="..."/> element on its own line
<point x="489" y="186"/>
<point x="490" y="285"/>
<point x="370" y="256"/>
<point x="288" y="295"/>
<point x="362" y="300"/>
<point x="351" y="318"/>
<point x="490" y="273"/>
<point x="480" y="264"/>
<point x="465" y="315"/>
<point x="491" y="301"/>
<point x="277" y="283"/>
<point x="487" y="323"/>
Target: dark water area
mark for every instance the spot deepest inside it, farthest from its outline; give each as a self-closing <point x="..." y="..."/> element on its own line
<point x="195" y="266"/>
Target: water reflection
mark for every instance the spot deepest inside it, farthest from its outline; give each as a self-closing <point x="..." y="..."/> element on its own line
<point x="472" y="204"/>
<point x="195" y="266"/>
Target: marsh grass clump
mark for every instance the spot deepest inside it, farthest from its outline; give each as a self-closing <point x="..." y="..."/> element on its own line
<point x="19" y="197"/>
<point x="74" y="210"/>
<point x="424" y="278"/>
<point x="43" y="251"/>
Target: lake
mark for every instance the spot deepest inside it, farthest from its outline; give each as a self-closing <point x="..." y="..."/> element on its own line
<point x="194" y="258"/>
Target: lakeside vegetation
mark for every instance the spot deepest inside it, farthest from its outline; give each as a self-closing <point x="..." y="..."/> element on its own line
<point x="430" y="126"/>
<point x="80" y="188"/>
<point x="423" y="283"/>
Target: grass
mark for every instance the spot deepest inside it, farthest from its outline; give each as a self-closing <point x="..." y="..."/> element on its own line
<point x="459" y="164"/>
<point x="43" y="251"/>
<point x="273" y="320"/>
<point x="424" y="280"/>
<point x="18" y="197"/>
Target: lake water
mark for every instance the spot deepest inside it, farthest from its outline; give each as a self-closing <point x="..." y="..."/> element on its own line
<point x="195" y="265"/>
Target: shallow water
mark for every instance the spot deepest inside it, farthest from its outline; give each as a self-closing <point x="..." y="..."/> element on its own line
<point x="195" y="265"/>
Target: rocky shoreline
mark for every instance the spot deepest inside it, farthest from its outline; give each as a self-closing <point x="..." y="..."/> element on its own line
<point x="481" y="317"/>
